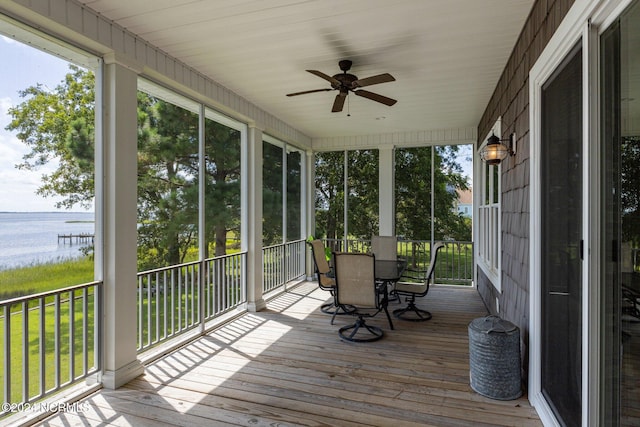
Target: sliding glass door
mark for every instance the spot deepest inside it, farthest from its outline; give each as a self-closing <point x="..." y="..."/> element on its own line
<point x="620" y="290"/>
<point x="561" y="239"/>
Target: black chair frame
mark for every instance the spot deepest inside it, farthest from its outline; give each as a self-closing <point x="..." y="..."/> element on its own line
<point x="330" y="307"/>
<point x="411" y="312"/>
<point x="349" y="332"/>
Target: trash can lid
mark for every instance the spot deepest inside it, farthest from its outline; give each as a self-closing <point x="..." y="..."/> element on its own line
<point x="491" y="324"/>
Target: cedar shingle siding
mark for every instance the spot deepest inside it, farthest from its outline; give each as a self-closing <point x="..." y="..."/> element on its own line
<point x="510" y="101"/>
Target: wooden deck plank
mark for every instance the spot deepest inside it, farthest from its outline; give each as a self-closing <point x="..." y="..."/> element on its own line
<point x="287" y="366"/>
<point x="373" y="384"/>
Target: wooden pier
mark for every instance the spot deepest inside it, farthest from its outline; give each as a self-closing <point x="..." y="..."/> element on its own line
<point x="75" y="238"/>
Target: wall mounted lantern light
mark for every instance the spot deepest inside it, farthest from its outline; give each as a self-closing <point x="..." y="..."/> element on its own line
<point x="496" y="149"/>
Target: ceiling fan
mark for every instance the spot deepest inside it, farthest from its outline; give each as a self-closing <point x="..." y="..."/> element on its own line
<point x="346" y="82"/>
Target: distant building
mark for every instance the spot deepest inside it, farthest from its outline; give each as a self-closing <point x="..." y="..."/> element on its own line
<point x="464" y="205"/>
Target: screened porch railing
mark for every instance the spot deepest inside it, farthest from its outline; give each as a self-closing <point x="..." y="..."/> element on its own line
<point x="169" y="301"/>
<point x="455" y="261"/>
<point x="50" y="341"/>
<point x="225" y="284"/>
<point x="282" y="263"/>
<point x="454" y="265"/>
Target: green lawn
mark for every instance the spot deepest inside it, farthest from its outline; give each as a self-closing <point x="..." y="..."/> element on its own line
<point x="38" y="278"/>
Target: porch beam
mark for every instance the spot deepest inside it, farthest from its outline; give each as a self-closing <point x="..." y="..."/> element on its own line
<point x="419" y="138"/>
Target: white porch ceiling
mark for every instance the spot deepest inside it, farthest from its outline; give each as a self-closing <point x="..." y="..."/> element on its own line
<point x="446" y="55"/>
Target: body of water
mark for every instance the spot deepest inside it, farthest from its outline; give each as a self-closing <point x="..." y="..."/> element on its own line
<point x="28" y="238"/>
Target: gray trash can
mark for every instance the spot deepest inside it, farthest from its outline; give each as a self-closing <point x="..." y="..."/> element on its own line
<point x="494" y="358"/>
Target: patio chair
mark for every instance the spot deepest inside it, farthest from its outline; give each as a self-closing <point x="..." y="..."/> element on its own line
<point x="326" y="280"/>
<point x="385" y="248"/>
<point x="356" y="287"/>
<point x="414" y="289"/>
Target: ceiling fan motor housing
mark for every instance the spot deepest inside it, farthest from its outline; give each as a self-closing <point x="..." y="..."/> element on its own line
<point x="346" y="81"/>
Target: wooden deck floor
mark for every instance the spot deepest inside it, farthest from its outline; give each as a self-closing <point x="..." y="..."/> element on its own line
<point x="287" y="366"/>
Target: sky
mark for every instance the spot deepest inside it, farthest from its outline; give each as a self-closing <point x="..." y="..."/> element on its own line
<point x="22" y="66"/>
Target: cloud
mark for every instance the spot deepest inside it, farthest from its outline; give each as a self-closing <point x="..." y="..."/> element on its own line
<point x="18" y="189"/>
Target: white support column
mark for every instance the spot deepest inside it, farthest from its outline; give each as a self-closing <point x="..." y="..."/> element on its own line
<point x="202" y="240"/>
<point x="253" y="217"/>
<point x="119" y="201"/>
<point x="345" y="191"/>
<point x="309" y="205"/>
<point x="307" y="191"/>
<point x="386" y="195"/>
<point x="285" y="170"/>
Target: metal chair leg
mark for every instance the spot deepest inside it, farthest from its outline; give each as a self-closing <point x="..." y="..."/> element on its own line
<point x="328" y="308"/>
<point x="422" y="315"/>
<point x="388" y="318"/>
<point x="376" y="333"/>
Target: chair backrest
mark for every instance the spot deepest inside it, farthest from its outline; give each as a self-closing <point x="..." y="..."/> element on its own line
<point x="432" y="265"/>
<point x="320" y="260"/>
<point x="419" y="286"/>
<point x="385" y="247"/>
<point x="355" y="279"/>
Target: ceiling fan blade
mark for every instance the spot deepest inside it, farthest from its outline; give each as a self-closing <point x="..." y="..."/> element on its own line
<point x="339" y="102"/>
<point x="374" y="80"/>
<point x="375" y="97"/>
<point x="308" y="91"/>
<point x="324" y="76"/>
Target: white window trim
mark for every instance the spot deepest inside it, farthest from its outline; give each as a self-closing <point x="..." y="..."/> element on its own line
<point x="489" y="223"/>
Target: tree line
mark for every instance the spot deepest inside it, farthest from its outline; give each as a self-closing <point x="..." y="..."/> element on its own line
<point x="413" y="191"/>
<point x="58" y="127"/>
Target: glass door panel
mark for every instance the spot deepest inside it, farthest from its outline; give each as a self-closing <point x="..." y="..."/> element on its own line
<point x="620" y="88"/>
<point x="561" y="172"/>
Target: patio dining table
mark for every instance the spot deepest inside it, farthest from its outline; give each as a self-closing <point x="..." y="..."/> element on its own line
<point x="388" y="272"/>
